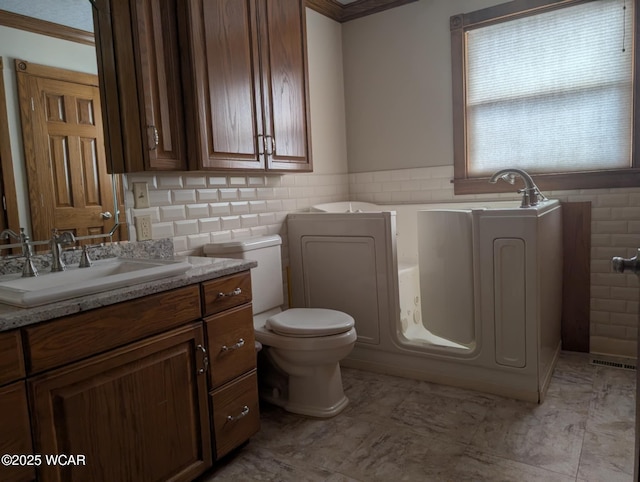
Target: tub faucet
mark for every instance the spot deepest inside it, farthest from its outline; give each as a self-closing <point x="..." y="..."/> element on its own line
<point x="531" y="195"/>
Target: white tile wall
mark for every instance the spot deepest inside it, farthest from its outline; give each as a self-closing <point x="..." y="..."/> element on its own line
<point x="197" y="209"/>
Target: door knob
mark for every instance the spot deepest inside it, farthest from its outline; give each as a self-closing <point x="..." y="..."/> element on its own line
<point x="620" y="265"/>
<point x="106" y="215"/>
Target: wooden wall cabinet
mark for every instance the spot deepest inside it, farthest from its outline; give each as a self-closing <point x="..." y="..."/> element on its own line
<point x="247" y="98"/>
<point x="143" y="389"/>
<point x="141" y="84"/>
<point x="223" y="83"/>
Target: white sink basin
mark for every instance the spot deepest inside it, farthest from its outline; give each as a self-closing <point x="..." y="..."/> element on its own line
<point x="104" y="275"/>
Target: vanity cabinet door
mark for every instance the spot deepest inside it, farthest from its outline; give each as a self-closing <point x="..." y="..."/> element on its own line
<point x="136" y="413"/>
<point x="248" y="91"/>
<point x="141" y="84"/>
<point x="15" y="432"/>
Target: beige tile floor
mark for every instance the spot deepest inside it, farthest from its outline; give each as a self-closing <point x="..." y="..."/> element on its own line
<point x="400" y="429"/>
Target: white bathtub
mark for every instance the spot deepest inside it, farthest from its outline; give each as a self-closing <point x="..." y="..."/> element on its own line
<point x="466" y="294"/>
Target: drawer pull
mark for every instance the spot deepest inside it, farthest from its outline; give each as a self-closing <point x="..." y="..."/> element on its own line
<point x="205" y="359"/>
<point x="235" y="292"/>
<point x="240" y="344"/>
<point x="244" y="413"/>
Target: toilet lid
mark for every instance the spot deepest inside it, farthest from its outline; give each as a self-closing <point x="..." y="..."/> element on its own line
<point x="307" y="322"/>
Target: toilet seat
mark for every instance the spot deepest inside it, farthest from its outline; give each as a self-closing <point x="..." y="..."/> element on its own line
<point x="309" y="322"/>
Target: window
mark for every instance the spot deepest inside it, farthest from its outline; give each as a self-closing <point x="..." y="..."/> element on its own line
<point x="548" y="89"/>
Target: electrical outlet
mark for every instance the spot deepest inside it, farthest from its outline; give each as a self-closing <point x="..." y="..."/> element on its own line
<point x="140" y="195"/>
<point x="143" y="228"/>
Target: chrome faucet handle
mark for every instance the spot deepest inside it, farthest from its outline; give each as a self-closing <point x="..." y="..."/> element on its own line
<point x="58" y="239"/>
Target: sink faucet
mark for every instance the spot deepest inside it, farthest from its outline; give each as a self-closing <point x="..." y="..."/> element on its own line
<point x="531" y="195"/>
<point x="28" y="270"/>
<point x="56" y="242"/>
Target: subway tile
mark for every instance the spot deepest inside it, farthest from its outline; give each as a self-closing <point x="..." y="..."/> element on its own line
<point x="267" y="218"/>
<point x="179" y="244"/>
<point x="256" y="181"/>
<point x="600" y="316"/>
<point x="274" y="205"/>
<point x="195" y="181"/>
<point x="611" y="200"/>
<point x="287" y="180"/>
<point x="237" y="181"/>
<point x="195" y="241"/>
<point x="607" y="278"/>
<point x="623" y="293"/>
<point x="274" y="180"/>
<point x="626" y="319"/>
<point x="239" y="207"/>
<point x="600" y="214"/>
<point x="249" y="220"/>
<point x="609" y="227"/>
<point x="162" y="230"/>
<point x="230" y="222"/>
<point x="184" y="228"/>
<point x="149" y="178"/>
<point x="241" y="233"/>
<point x="219" y="209"/>
<point x="612" y="306"/>
<point x="382" y="176"/>
<point x="209" y="225"/>
<point x="228" y="194"/>
<point x="170" y="181"/>
<point x="172" y="213"/>
<point x="195" y="211"/>
<point x="208" y="195"/>
<point x="628" y="240"/>
<point x="247" y="193"/>
<point x="221" y="236"/>
<point x="160" y="197"/>
<point x="265" y="193"/>
<point x="628" y="213"/>
<point x="154" y="212"/>
<point x="184" y="196"/>
<point x="217" y="181"/>
<point x="257" y="206"/>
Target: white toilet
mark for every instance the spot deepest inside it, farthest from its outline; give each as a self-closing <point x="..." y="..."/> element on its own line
<point x="299" y="369"/>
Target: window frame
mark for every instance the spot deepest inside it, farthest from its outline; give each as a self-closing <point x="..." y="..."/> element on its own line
<point x="463" y="182"/>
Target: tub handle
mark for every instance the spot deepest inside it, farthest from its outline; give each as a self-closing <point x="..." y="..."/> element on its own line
<point x="235" y="346"/>
<point x="244" y="413"/>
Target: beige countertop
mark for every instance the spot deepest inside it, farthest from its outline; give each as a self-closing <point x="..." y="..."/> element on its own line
<point x="202" y="269"/>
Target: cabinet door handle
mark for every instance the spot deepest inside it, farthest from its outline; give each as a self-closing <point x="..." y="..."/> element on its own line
<point x="235" y="346"/>
<point x="261" y="142"/>
<point x="235" y="292"/>
<point x="244" y="413"/>
<point x="154" y="139"/>
<point x="273" y="145"/>
<point x="205" y="359"/>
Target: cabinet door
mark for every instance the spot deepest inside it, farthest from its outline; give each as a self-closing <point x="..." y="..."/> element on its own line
<point x="224" y="89"/>
<point x="160" y="84"/>
<point x="15" y="432"/>
<point x="138" y="413"/>
<point x="140" y="84"/>
<point x="285" y="84"/>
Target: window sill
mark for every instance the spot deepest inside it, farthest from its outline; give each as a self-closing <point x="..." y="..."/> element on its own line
<point x="555" y="182"/>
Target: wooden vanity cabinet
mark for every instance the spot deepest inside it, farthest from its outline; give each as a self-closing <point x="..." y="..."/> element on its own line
<point x="247" y="98"/>
<point x="14" y="414"/>
<point x="232" y="355"/>
<point x="154" y="388"/>
<point x="141" y="84"/>
<point x="135" y="413"/>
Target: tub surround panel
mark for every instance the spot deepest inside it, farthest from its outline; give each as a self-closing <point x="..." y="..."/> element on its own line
<point x="614" y="229"/>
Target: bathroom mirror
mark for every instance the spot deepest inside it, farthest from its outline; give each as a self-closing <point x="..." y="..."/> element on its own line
<point x="60" y="38"/>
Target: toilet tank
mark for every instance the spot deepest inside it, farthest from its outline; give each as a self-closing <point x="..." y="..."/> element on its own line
<point x="266" y="278"/>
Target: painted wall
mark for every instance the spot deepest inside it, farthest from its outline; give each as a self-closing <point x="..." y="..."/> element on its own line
<point x="400" y="147"/>
<point x="38" y="49"/>
<point x="398" y="85"/>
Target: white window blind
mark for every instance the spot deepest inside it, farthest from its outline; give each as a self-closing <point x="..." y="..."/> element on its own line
<point x="551" y="92"/>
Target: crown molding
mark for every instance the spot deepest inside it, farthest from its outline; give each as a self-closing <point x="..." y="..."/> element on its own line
<point x="42" y="27"/>
<point x="360" y="8"/>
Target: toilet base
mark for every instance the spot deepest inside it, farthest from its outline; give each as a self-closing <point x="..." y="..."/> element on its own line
<point x="315" y="391"/>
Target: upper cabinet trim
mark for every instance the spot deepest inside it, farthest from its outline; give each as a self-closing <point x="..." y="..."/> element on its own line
<point x="42" y="27"/>
<point x="360" y="8"/>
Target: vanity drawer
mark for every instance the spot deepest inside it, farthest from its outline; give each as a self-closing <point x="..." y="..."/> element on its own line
<point x="236" y="413"/>
<point x="224" y="293"/>
<point x="231" y="344"/>
<point x="11" y="360"/>
<point x="78" y="336"/>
